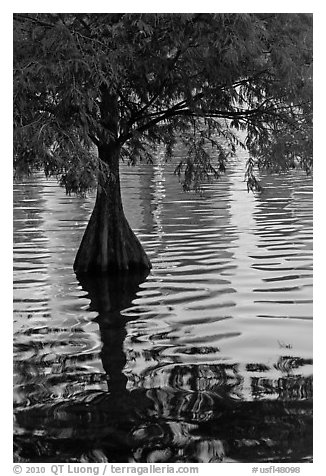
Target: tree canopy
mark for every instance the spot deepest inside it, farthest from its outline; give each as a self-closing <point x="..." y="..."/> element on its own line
<point x="145" y="80"/>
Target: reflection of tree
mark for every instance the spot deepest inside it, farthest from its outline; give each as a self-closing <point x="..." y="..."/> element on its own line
<point x="109" y="296"/>
<point x="166" y="425"/>
<point x="27" y="211"/>
<point x="281" y="218"/>
<point x="31" y="304"/>
<point x="289" y="386"/>
<point x="196" y="418"/>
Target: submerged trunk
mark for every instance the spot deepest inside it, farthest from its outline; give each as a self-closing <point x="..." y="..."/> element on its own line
<point x="109" y="245"/>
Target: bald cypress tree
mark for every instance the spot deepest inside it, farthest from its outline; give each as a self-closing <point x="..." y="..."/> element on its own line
<point x="92" y="89"/>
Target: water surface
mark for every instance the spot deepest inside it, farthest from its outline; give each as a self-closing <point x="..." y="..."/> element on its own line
<point x="206" y="359"/>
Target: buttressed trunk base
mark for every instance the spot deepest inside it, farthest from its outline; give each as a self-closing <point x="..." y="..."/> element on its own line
<point x="109" y="245"/>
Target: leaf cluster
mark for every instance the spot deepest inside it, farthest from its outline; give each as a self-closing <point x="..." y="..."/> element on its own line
<point x="141" y="80"/>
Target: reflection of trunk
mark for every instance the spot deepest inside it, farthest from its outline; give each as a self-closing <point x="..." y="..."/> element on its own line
<point x="109" y="245"/>
<point x="109" y="296"/>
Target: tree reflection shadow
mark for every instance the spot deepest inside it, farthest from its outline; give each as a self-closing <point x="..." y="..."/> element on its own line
<point x="109" y="295"/>
<point x="200" y="423"/>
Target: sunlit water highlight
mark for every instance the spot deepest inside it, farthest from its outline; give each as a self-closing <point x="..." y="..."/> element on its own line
<point x="207" y="359"/>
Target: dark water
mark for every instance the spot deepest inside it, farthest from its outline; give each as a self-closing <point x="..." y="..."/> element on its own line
<point x="207" y="359"/>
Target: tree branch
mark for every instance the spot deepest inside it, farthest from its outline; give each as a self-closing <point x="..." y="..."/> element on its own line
<point x="169" y="69"/>
<point x="21" y="16"/>
<point x="209" y="113"/>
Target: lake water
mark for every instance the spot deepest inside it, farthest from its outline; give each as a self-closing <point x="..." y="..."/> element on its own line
<point x="207" y="359"/>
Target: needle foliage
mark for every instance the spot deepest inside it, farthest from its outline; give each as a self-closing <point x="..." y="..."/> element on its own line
<point x="197" y="78"/>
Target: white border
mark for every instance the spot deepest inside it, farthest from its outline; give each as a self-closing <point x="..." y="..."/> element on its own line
<point x="315" y="7"/>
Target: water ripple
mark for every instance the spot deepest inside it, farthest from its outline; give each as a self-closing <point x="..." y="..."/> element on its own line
<point x="208" y="359"/>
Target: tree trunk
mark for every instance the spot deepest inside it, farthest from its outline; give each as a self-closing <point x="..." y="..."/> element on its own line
<point x="109" y="245"/>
